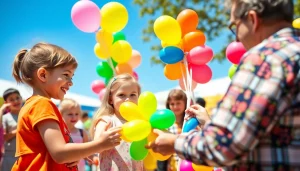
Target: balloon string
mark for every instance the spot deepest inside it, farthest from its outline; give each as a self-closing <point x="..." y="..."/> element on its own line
<point x="110" y="63"/>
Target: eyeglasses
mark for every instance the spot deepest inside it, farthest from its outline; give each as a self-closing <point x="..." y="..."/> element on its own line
<point x="233" y="26"/>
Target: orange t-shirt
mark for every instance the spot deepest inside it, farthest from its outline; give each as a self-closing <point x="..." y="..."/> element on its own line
<point x="31" y="151"/>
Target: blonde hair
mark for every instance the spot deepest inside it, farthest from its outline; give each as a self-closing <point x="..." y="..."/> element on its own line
<point x="113" y="85"/>
<point x="67" y="104"/>
<point x="41" y="55"/>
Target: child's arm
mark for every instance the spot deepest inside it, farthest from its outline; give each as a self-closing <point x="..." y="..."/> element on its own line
<point x="63" y="152"/>
<point x="10" y="135"/>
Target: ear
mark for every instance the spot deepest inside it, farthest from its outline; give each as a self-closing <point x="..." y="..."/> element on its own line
<point x="254" y="19"/>
<point x="42" y="74"/>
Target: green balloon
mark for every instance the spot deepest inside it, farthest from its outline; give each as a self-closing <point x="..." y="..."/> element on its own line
<point x="137" y="150"/>
<point x="114" y="62"/>
<point x="162" y="119"/>
<point x="232" y="70"/>
<point x="104" y="70"/>
<point x="119" y="36"/>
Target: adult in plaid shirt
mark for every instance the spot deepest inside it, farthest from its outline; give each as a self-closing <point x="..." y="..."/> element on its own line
<point x="256" y="126"/>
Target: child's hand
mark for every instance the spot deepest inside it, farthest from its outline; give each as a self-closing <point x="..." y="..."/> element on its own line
<point x="4" y="107"/>
<point x="199" y="112"/>
<point x="111" y="137"/>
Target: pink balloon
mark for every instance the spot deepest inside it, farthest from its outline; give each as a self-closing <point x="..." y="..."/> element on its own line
<point x="101" y="94"/>
<point x="97" y="86"/>
<point x="135" y="75"/>
<point x="135" y="59"/>
<point x="186" y="166"/>
<point x="200" y="55"/>
<point x="235" y="51"/>
<point x="201" y="73"/>
<point x="86" y="16"/>
<point x="181" y="84"/>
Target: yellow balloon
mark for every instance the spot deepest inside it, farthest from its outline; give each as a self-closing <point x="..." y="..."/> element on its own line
<point x="130" y="111"/>
<point x="296" y="23"/>
<point x="150" y="162"/>
<point x="202" y="168"/>
<point x="121" y="51"/>
<point x="179" y="45"/>
<point x="167" y="29"/>
<point x="114" y="17"/>
<point x="104" y="38"/>
<point x="101" y="51"/>
<point x="136" y="130"/>
<point x="147" y="104"/>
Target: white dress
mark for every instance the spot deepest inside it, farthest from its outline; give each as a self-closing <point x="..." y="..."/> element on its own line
<point x="118" y="158"/>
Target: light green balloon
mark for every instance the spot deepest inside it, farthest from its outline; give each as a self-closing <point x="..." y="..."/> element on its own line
<point x="137" y="150"/>
<point x="232" y="70"/>
<point x="162" y="119"/>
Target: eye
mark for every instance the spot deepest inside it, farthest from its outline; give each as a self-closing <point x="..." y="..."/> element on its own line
<point x="133" y="95"/>
<point x="68" y="76"/>
<point x="121" y="95"/>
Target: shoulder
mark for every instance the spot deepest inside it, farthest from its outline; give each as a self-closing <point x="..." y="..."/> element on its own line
<point x="6" y="116"/>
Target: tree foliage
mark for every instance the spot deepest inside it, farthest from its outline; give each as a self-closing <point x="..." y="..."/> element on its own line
<point x="212" y="19"/>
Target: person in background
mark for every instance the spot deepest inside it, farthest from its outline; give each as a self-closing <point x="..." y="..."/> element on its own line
<point x="71" y="112"/>
<point x="176" y="102"/>
<point x="12" y="104"/>
<point x="200" y="101"/>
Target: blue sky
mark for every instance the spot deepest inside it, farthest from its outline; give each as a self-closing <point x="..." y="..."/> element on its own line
<point x="24" y="23"/>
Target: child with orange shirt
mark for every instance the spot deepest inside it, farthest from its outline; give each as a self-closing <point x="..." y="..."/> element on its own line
<point x="43" y="139"/>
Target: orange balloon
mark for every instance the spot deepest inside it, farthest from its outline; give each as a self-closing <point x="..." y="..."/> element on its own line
<point x="181" y="83"/>
<point x="123" y="68"/>
<point x="135" y="59"/>
<point x="188" y="21"/>
<point x="151" y="137"/>
<point x="202" y="168"/>
<point x="174" y="71"/>
<point x="150" y="162"/>
<point x="193" y="39"/>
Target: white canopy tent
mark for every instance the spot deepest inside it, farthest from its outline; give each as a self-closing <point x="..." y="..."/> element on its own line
<point x="212" y="88"/>
<point x="87" y="103"/>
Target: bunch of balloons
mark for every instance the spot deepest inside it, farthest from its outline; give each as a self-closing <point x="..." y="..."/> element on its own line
<point x="111" y="46"/>
<point x="142" y="118"/>
<point x="296" y="23"/>
<point x="184" y="50"/>
<point x="234" y="52"/>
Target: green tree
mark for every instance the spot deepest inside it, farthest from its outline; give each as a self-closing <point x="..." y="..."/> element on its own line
<point x="213" y="21"/>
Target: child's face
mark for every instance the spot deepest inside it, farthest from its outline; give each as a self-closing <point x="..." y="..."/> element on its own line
<point x="15" y="101"/>
<point x="126" y="92"/>
<point x="177" y="106"/>
<point x="59" y="81"/>
<point x="71" y="115"/>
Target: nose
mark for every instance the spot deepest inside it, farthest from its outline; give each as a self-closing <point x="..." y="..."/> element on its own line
<point x="70" y="83"/>
<point x="127" y="99"/>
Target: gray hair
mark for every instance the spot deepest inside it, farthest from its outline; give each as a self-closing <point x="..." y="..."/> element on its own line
<point x="266" y="9"/>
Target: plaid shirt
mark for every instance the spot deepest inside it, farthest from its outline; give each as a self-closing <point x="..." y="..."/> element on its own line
<point x="257" y="123"/>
